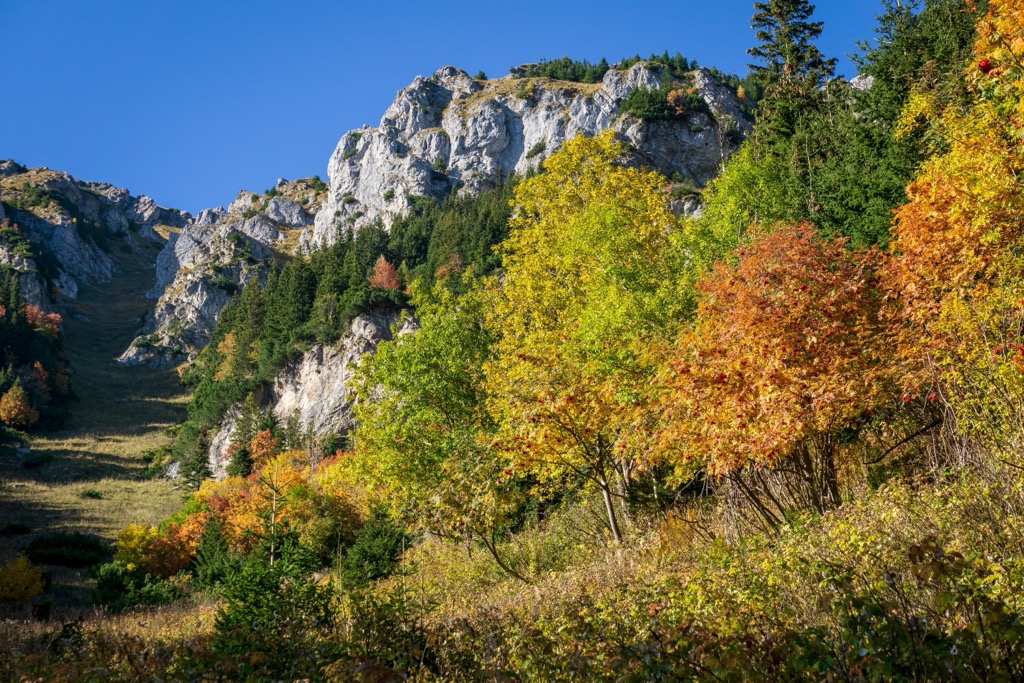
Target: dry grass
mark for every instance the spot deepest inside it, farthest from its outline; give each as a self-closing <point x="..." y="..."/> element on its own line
<point x="290" y="241"/>
<point x="121" y="413"/>
<point x="87" y="645"/>
<point x="511" y="86"/>
<point x="165" y="231"/>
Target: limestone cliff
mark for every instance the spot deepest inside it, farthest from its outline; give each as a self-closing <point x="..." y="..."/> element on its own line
<point x="59" y="230"/>
<point x="313" y="390"/>
<point x="449" y="131"/>
<point x="220" y="252"/>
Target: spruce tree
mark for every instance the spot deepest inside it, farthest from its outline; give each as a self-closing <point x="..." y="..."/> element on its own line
<point x="786" y="50"/>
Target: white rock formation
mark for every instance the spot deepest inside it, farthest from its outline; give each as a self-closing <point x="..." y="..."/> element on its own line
<point x="199" y="268"/>
<point x="75" y="223"/>
<point x="314" y="388"/>
<point x="450" y="131"/>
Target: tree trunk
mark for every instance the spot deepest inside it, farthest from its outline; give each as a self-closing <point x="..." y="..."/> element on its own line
<point x="613" y="523"/>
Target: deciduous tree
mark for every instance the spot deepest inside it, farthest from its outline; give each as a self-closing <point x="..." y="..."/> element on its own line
<point x="788" y="351"/>
<point x="585" y="269"/>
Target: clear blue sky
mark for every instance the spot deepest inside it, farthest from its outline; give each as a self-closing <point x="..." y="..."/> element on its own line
<point x="189" y="101"/>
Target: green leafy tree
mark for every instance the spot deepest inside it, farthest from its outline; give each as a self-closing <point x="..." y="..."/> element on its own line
<point x="424" y="433"/>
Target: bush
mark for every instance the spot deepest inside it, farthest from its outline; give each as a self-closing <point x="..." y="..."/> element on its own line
<point x="67" y="549"/>
<point x="119" y="588"/>
<point x="386" y="628"/>
<point x="375" y="552"/>
<point x="646" y="103"/>
<point x="19" y="581"/>
<point x="223" y="283"/>
<point x="440" y="165"/>
<point x="537" y="148"/>
<point x="90" y="493"/>
<point x="527" y="90"/>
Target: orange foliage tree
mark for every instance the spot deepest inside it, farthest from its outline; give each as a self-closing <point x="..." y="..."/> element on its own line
<point x="15" y="409"/>
<point x="42" y="321"/>
<point x="957" y="272"/>
<point x="282" y="494"/>
<point x="788" y="350"/>
<point x="384" y="275"/>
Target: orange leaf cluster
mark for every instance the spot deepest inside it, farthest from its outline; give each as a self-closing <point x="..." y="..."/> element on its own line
<point x="384" y="275"/>
<point x="789" y="347"/>
<point x="41" y="320"/>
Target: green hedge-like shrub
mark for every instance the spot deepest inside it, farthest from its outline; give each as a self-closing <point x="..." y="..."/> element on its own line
<point x="67" y="549"/>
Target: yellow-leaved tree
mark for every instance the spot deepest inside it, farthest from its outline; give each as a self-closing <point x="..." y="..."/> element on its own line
<point x="957" y="271"/>
<point x="585" y="272"/>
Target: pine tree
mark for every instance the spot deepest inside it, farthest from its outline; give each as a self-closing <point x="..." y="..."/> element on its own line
<point x="786" y="49"/>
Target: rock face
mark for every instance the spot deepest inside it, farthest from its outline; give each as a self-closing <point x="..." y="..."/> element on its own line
<point x="74" y="223"/>
<point x="31" y="284"/>
<point x="220" y="252"/>
<point x="314" y="388"/>
<point x="450" y="131"/>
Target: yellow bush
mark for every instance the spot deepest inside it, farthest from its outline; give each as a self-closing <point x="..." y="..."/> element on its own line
<point x="133" y="545"/>
<point x="19" y="580"/>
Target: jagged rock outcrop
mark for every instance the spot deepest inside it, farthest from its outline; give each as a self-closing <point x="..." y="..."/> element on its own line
<point x="313" y="390"/>
<point x="220" y="252"/>
<point x="31" y="284"/>
<point x="451" y="131"/>
<point x="74" y="223"/>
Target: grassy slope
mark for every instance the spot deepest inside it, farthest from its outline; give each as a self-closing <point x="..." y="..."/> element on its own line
<point x="121" y="413"/>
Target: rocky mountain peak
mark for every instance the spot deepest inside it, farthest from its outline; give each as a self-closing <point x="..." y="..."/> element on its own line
<point x="449" y="132"/>
<point x="74" y="223"/>
<point x="220" y="252"/>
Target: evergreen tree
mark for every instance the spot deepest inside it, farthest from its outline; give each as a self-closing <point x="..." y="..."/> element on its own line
<point x="787" y="50"/>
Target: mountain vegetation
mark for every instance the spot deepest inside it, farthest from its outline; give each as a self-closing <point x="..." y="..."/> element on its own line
<point x="778" y="439"/>
<point x="34" y="382"/>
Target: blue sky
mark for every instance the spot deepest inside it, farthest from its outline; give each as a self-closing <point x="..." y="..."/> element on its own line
<point x="189" y="101"/>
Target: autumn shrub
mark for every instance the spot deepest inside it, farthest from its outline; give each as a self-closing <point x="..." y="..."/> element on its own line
<point x="15" y="409"/>
<point x="72" y="549"/>
<point x="791" y="350"/>
<point x="161" y="552"/>
<point x="383" y="634"/>
<point x="19" y="581"/>
<point x="906" y="583"/>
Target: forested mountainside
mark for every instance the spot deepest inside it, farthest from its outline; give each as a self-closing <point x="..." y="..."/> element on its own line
<point x="675" y="377"/>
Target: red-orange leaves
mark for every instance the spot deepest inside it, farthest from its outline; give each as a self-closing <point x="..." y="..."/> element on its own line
<point x="384" y="275"/>
<point x="787" y="347"/>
